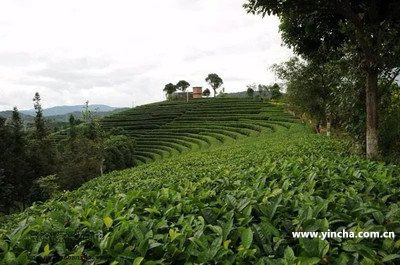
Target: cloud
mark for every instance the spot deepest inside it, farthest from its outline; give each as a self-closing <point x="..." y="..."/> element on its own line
<point x="124" y="51"/>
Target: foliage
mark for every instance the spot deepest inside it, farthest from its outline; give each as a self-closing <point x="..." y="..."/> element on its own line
<point x="82" y="156"/>
<point x="310" y="86"/>
<point x="42" y="151"/>
<point x="15" y="163"/>
<point x="169" y="89"/>
<point x="275" y="91"/>
<point x="366" y="31"/>
<point x="250" y="92"/>
<point x="206" y="92"/>
<point x="334" y="92"/>
<point x="182" y="85"/>
<point x="215" y="82"/>
<point x="82" y="160"/>
<point x="41" y="130"/>
<point x="239" y="207"/>
<point x="34" y="169"/>
<point x="389" y="124"/>
<point x="48" y="186"/>
<point x="6" y="192"/>
<point x="118" y="152"/>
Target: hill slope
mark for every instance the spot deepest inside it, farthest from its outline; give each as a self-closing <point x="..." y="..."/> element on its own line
<point x="235" y="203"/>
<point x="168" y="128"/>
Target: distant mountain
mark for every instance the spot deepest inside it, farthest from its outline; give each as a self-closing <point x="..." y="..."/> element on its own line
<point x="62" y="113"/>
<point x="8" y="113"/>
<point x="62" y="110"/>
<point x="78" y="115"/>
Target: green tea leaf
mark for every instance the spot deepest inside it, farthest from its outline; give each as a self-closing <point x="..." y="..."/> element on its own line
<point x="246" y="237"/>
<point x="138" y="261"/>
<point x="108" y="221"/>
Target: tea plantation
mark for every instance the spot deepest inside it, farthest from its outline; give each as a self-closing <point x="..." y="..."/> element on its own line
<point x="231" y="203"/>
<point x="169" y="128"/>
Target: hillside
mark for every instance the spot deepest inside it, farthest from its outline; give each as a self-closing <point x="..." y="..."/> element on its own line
<point x="231" y="203"/>
<point x="8" y="114"/>
<point x="169" y="128"/>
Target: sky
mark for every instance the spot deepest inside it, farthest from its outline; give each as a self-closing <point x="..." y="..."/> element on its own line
<point x="122" y="52"/>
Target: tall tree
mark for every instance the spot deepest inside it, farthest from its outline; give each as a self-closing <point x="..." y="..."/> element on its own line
<point x="72" y="127"/>
<point x="318" y="29"/>
<point x="215" y="82"/>
<point x="250" y="92"/>
<point x="17" y="131"/>
<point x="6" y="188"/>
<point x="14" y="161"/>
<point x="43" y="151"/>
<point x="182" y="85"/>
<point x="82" y="157"/>
<point x="310" y="87"/>
<point x="41" y="130"/>
<point x="169" y="89"/>
<point x="275" y="91"/>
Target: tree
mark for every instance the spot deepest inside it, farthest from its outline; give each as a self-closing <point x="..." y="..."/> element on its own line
<point x="14" y="162"/>
<point x="6" y="187"/>
<point x="6" y="193"/>
<point x="92" y="130"/>
<point x="250" y="92"/>
<point x="41" y="131"/>
<point x="82" y="161"/>
<point x="118" y="152"/>
<point x="215" y="82"/>
<point x="263" y="91"/>
<point x="320" y="30"/>
<point x="275" y="91"/>
<point x="82" y="156"/>
<point x="72" y="127"/>
<point x="17" y="131"/>
<point x="43" y="152"/>
<point x="206" y="92"/>
<point x="310" y="87"/>
<point x="182" y="85"/>
<point x="169" y="89"/>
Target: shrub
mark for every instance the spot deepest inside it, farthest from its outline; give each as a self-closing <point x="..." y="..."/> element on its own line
<point x="118" y="152"/>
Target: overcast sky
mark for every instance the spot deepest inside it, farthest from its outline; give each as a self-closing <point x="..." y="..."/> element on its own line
<point x="119" y="52"/>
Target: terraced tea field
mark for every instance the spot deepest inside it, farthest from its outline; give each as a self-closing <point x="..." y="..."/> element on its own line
<point x="169" y="128"/>
<point x="231" y="203"/>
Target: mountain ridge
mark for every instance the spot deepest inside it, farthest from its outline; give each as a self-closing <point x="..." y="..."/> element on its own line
<point x="65" y="109"/>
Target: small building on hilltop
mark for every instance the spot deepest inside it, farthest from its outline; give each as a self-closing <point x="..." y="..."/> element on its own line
<point x="197" y="93"/>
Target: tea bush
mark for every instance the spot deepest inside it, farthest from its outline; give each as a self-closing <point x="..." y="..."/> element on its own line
<point x="236" y="203"/>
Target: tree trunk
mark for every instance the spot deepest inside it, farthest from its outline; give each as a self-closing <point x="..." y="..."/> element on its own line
<point x="328" y="127"/>
<point x="215" y="92"/>
<point x="372" y="115"/>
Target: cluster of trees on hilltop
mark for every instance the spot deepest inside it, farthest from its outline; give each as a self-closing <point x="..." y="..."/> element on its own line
<point x="34" y="165"/>
<point x="170" y="88"/>
<point x="350" y="56"/>
<point x="264" y="91"/>
<point x="213" y="80"/>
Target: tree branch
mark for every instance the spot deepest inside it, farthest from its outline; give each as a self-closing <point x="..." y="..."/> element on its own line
<point x="391" y="80"/>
